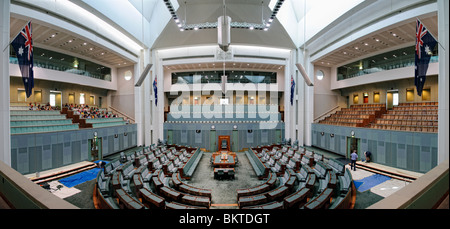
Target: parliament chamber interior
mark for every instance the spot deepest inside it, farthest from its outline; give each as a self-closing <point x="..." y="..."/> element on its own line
<point x="224" y="104"/>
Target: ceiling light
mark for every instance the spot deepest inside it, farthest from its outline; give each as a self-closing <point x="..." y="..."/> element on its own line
<point x="53" y="35"/>
<point x="394" y="34"/>
<point x="177" y="20"/>
<point x="377" y="40"/>
<point x="181" y="29"/>
<point x="195" y="28"/>
<point x="265" y="29"/>
<point x="179" y="25"/>
<point x="84" y="43"/>
<point x="251" y="28"/>
<point x="366" y="44"/>
<point x="70" y="41"/>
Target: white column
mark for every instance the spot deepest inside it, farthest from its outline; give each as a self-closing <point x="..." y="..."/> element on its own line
<point x="288" y="119"/>
<point x="148" y="87"/>
<point x="157" y="111"/>
<point x="443" y="133"/>
<point x="5" y="132"/>
<point x="138" y="102"/>
<point x="308" y="101"/>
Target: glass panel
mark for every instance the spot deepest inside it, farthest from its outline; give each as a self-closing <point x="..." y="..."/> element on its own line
<point x="399" y="58"/>
<point x="43" y="58"/>
<point x="215" y="77"/>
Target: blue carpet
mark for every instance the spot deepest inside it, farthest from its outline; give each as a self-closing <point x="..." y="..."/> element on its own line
<point x="370" y="181"/>
<point x="80" y="178"/>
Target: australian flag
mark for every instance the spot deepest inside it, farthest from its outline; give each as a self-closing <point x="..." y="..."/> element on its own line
<point x="425" y="44"/>
<point x="155" y="91"/>
<point x="23" y="46"/>
<point x="292" y="90"/>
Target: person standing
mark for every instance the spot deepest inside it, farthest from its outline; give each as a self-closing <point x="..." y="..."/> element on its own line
<point x="353" y="157"/>
<point x="368" y="155"/>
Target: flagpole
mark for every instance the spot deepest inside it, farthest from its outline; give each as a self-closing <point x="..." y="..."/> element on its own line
<point x="16" y="36"/>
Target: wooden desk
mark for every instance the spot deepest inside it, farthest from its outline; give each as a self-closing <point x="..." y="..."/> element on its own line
<point x="151" y="200"/>
<point x="225" y="174"/>
<point x="170" y="193"/>
<point x="224" y="163"/>
<point x="126" y="201"/>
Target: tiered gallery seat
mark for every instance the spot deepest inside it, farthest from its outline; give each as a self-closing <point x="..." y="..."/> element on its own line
<point x="356" y="115"/>
<point x="420" y="117"/>
<point x="415" y="117"/>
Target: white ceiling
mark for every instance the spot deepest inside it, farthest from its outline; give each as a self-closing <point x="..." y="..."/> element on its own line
<point x="67" y="42"/>
<point x="368" y="45"/>
<point x="200" y="11"/>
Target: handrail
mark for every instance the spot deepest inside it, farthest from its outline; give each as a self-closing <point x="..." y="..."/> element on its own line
<point x="326" y="113"/>
<point x="426" y="192"/>
<point x="22" y="193"/>
<point x="122" y="114"/>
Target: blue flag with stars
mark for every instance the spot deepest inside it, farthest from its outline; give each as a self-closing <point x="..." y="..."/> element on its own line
<point x="23" y="46"/>
<point x="292" y="90"/>
<point x="155" y="90"/>
<point x="425" y="44"/>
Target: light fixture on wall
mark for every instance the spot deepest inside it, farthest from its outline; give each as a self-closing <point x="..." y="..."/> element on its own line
<point x="319" y="74"/>
<point x="128" y="75"/>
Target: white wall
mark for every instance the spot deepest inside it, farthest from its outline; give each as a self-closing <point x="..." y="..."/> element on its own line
<point x="123" y="97"/>
<point x="323" y="95"/>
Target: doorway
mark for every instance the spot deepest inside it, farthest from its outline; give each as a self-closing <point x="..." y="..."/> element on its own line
<point x="391" y="99"/>
<point x="169" y="137"/>
<point x="95" y="149"/>
<point x="235" y="141"/>
<point x="278" y="136"/>
<point x="212" y="141"/>
<point x="353" y="144"/>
